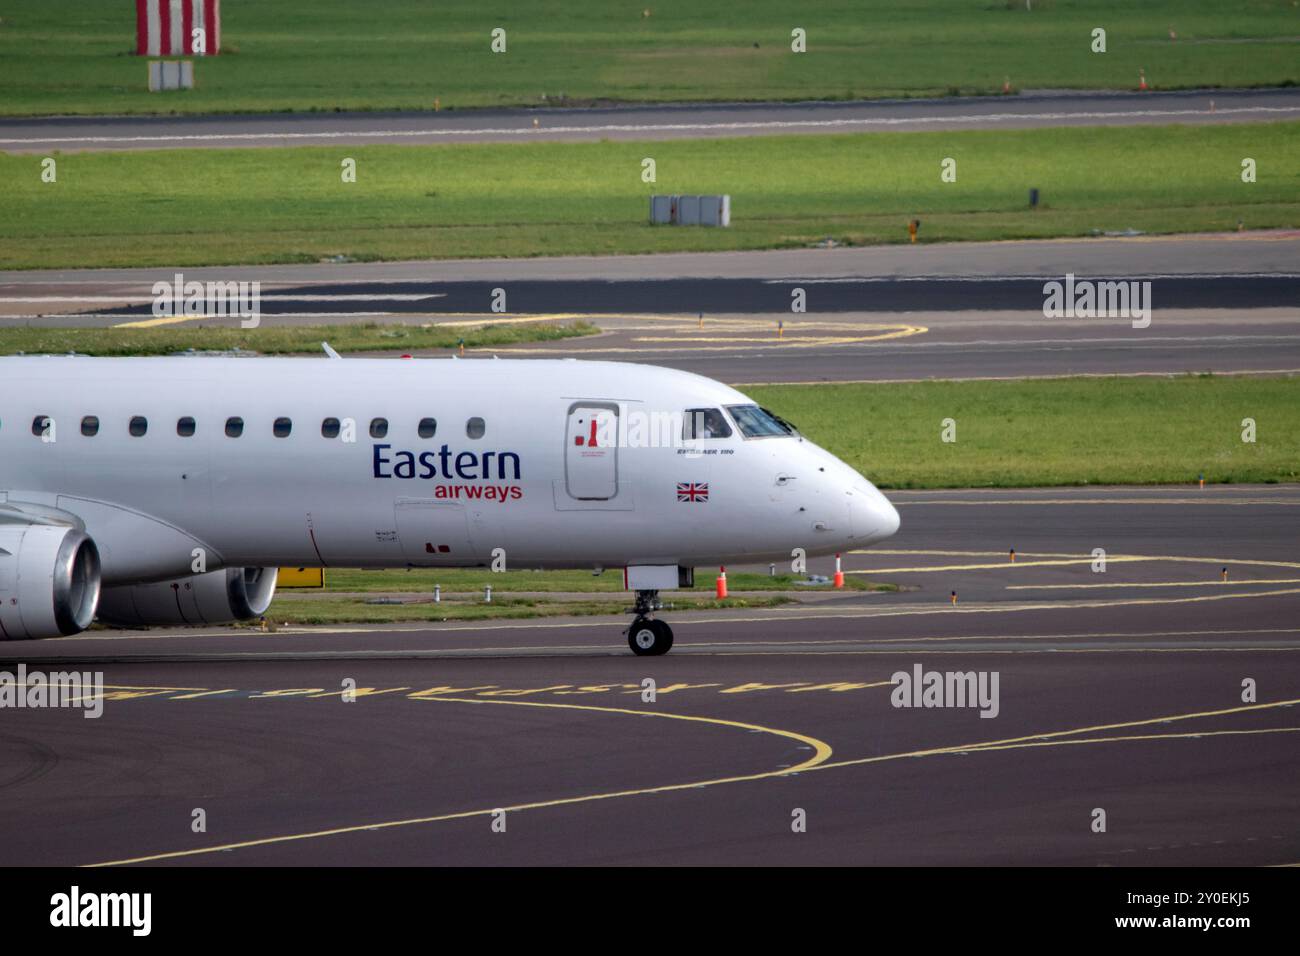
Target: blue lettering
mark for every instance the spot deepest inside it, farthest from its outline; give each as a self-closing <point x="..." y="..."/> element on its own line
<point x="501" y="465"/>
<point x="445" y="463"/>
<point x="405" y="467"/>
<point x="460" y="467"/>
<point x="426" y="462"/>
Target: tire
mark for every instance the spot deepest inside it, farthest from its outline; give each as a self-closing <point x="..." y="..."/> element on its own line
<point x="649" y="638"/>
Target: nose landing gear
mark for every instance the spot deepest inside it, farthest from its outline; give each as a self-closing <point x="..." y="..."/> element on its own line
<point x="648" y="636"/>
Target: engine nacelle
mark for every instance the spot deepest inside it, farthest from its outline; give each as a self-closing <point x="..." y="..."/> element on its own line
<point x="217" y="597"/>
<point x="49" y="580"/>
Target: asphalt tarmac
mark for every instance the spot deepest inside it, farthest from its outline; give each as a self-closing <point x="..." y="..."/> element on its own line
<point x="1220" y="303"/>
<point x="653" y="122"/>
<point x="1154" y="691"/>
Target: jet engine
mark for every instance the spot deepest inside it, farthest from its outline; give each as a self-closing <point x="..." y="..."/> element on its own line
<point x="49" y="580"/>
<point x="217" y="597"/>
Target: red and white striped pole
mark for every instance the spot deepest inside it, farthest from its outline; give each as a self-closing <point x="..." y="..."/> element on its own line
<point x="166" y="27"/>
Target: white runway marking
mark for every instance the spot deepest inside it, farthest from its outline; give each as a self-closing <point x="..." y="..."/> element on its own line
<point x="861" y="123"/>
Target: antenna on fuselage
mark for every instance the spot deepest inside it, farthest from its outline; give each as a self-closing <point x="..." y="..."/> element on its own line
<point x="329" y="352"/>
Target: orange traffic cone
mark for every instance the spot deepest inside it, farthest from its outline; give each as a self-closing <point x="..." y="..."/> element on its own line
<point x="722" y="583"/>
<point x="839" y="573"/>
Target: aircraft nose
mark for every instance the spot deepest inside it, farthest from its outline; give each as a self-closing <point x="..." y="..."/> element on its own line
<point x="873" y="515"/>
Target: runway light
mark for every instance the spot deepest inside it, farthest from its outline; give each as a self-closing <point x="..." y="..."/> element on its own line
<point x="487" y="594"/>
<point x="1225" y="574"/>
<point x="437" y="594"/>
<point x="1013" y="555"/>
<point x="1201" y="479"/>
<point x="954" y="598"/>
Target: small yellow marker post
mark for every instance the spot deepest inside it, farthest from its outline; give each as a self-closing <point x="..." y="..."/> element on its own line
<point x="954" y="598"/>
<point x="437" y="104"/>
<point x="1013" y="555"/>
<point x="1225" y="574"/>
<point x="780" y="328"/>
<point x="1201" y="479"/>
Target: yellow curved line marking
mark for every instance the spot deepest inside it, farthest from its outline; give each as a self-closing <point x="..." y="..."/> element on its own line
<point x="1252" y="372"/>
<point x="821" y="752"/>
<point x="1148" y="584"/>
<point x="817" y="762"/>
<point x="1110" y="559"/>
<point x="1055" y="735"/>
<point x="1190" y="735"/>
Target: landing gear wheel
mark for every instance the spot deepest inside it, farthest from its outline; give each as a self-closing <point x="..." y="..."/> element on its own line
<point x="649" y="638"/>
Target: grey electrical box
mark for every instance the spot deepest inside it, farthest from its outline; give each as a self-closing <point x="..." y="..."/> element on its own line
<point x="170" y="75"/>
<point x="715" y="210"/>
<point x="691" y="210"/>
<point x="661" y="210"/>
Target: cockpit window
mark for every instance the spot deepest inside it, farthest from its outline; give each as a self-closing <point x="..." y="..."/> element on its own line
<point x="755" y="422"/>
<point x="704" y="423"/>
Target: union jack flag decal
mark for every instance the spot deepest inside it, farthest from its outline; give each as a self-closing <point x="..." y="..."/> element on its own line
<point x="692" y="491"/>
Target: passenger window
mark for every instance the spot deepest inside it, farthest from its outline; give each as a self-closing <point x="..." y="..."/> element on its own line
<point x="282" y="427"/>
<point x="428" y="427"/>
<point x="185" y="427"/>
<point x="40" y="424"/>
<point x="234" y="427"/>
<point x="90" y="426"/>
<point x="329" y="428"/>
<point x="475" y="427"/>
<point x="378" y="427"/>
<point x="704" y="423"/>
<point x="139" y="425"/>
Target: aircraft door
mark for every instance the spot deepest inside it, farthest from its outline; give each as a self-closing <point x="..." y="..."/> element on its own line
<point x="591" y="451"/>
<point x="433" y="533"/>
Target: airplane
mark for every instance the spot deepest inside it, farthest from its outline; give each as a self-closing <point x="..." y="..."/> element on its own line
<point x="168" y="491"/>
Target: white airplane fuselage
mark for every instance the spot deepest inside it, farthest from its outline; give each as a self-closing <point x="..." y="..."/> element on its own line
<point x="547" y="463"/>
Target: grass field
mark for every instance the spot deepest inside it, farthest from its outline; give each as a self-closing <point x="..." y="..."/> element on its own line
<point x="197" y="207"/>
<point x="70" y="56"/>
<point x="290" y="609"/>
<point x="1066" y="431"/>
<point x="278" y="339"/>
